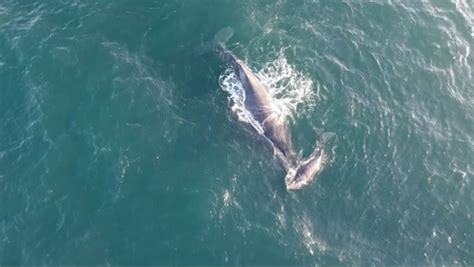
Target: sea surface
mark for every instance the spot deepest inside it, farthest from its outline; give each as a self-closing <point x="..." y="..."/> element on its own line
<point x="120" y="146"/>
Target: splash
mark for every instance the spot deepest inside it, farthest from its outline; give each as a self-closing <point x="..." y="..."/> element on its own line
<point x="292" y="92"/>
<point x="229" y="83"/>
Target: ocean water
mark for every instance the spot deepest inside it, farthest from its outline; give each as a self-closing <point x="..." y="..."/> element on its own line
<point x="118" y="146"/>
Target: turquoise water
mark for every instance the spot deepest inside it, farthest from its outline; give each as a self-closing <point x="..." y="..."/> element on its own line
<point x="118" y="146"/>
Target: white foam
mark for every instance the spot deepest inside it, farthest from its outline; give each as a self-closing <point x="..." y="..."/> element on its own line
<point x="305" y="229"/>
<point x="292" y="92"/>
<point x="229" y="83"/>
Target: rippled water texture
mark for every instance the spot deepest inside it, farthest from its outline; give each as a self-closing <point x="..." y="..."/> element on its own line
<point x="119" y="146"/>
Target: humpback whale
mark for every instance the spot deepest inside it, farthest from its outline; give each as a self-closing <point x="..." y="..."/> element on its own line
<point x="260" y="104"/>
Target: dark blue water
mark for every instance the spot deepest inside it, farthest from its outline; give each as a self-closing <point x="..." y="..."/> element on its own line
<point x="119" y="146"/>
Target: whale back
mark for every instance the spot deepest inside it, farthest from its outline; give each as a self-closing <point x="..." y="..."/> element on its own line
<point x="259" y="102"/>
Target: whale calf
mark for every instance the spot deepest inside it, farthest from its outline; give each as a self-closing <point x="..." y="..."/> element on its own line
<point x="260" y="104"/>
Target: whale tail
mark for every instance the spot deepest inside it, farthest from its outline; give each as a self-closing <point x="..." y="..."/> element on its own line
<point x="219" y="41"/>
<point x="304" y="171"/>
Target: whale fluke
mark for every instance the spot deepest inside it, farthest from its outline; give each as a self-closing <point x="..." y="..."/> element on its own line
<point x="219" y="41"/>
<point x="223" y="36"/>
